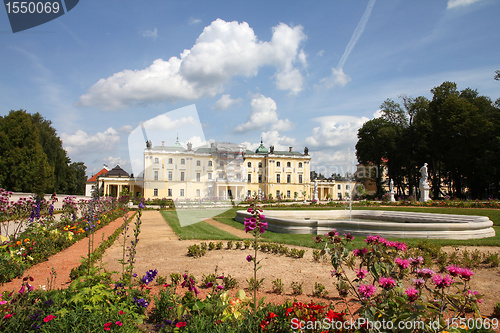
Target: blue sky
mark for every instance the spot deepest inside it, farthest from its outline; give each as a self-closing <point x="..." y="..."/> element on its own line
<point x="294" y="73"/>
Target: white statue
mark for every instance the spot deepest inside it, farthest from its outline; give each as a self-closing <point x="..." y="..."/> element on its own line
<point x="315" y="193"/>
<point x="423" y="175"/>
<point x="391" y="186"/>
<point x="424" y="184"/>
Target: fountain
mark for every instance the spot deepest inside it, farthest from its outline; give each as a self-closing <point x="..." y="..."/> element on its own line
<point x="393" y="224"/>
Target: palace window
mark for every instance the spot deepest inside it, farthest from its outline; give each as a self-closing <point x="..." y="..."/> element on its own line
<point x="300" y="164"/>
<point x="169" y="192"/>
<point x="183" y="161"/>
<point x="198" y="177"/>
<point x="182" y="176"/>
<point x="260" y="164"/>
<point x="289" y="178"/>
<point x="156" y="160"/>
<point x="300" y="179"/>
<point x="278" y="164"/>
<point x="209" y="176"/>
<point x="198" y="193"/>
<point x="156" y="175"/>
<point x="260" y="178"/>
<point x="288" y="194"/>
<point x="170" y="161"/>
<point x="198" y="163"/>
<point x="249" y="178"/>
<point x="182" y="192"/>
<point x="209" y="163"/>
<point x="155" y="192"/>
<point x="288" y="164"/>
<point x="249" y="164"/>
<point x="278" y="178"/>
<point x="170" y="176"/>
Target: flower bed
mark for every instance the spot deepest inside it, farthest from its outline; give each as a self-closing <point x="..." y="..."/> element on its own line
<point x="36" y="234"/>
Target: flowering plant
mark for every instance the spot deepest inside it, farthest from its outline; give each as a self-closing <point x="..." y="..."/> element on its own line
<point x="257" y="225"/>
<point x="383" y="269"/>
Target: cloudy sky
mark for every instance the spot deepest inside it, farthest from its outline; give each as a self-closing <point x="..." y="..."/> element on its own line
<point x="294" y="73"/>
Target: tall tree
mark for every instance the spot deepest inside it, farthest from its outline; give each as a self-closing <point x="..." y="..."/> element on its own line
<point x="24" y="166"/>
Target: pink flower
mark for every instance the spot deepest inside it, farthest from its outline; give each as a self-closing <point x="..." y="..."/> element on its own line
<point x="361" y="273"/>
<point x="424" y="272"/>
<point x="107" y="326"/>
<point x="416" y="261"/>
<point x="412" y="294"/>
<point x="180" y="324"/>
<point x="418" y="282"/>
<point x="262" y="227"/>
<point x="454" y="270"/>
<point x="359" y="252"/>
<point x="366" y="290"/>
<point x="442" y="281"/>
<point x="7" y="316"/>
<point x="119" y="323"/>
<point x="387" y="282"/>
<point x="249" y="258"/>
<point x="48" y="318"/>
<point x="375" y="240"/>
<point x="402" y="263"/>
<point x="466" y="273"/>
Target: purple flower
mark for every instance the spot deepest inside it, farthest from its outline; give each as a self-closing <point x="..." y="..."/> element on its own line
<point x="249" y="258"/>
<point x="149" y="277"/>
<point x="210" y="284"/>
<point x="424" y="272"/>
<point x="262" y="227"/>
<point x="418" y="282"/>
<point x="250" y="224"/>
<point x="416" y="261"/>
<point x="220" y="287"/>
<point x="141" y="205"/>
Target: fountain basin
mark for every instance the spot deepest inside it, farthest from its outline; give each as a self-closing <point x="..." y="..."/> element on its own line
<point x="391" y="224"/>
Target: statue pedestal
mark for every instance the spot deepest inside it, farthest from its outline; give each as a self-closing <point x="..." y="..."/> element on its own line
<point x="424" y="192"/>
<point x="392" y="199"/>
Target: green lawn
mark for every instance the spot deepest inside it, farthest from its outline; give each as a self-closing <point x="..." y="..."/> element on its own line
<point x="200" y="230"/>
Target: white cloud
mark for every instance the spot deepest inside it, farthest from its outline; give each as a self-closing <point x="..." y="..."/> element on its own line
<point x="150" y="33"/>
<point x="460" y="3"/>
<point x="330" y="161"/>
<point x="282" y="125"/>
<point x="222" y="51"/>
<point x="193" y="21"/>
<point x="225" y="102"/>
<point x="196" y="141"/>
<point x="263" y="113"/>
<point x="336" y="131"/>
<point x="273" y="138"/>
<point x="338" y="78"/>
<point x="81" y="142"/>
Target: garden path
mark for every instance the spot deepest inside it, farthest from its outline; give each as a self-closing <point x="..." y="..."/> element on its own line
<point x="232" y="230"/>
<point x="63" y="261"/>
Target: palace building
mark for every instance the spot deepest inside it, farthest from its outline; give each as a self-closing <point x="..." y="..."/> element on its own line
<point x="220" y="171"/>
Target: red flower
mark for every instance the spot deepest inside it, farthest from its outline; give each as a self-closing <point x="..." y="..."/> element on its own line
<point x="180" y="324"/>
<point x="121" y="312"/>
<point x="119" y="323"/>
<point x="48" y="318"/>
<point x="7" y="316"/>
<point x="107" y="326"/>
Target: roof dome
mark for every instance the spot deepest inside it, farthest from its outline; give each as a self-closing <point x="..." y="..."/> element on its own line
<point x="261" y="149"/>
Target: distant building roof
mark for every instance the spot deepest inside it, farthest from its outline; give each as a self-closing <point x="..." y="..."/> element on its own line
<point x="117" y="171"/>
<point x="261" y="149"/>
<point x="100" y="173"/>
